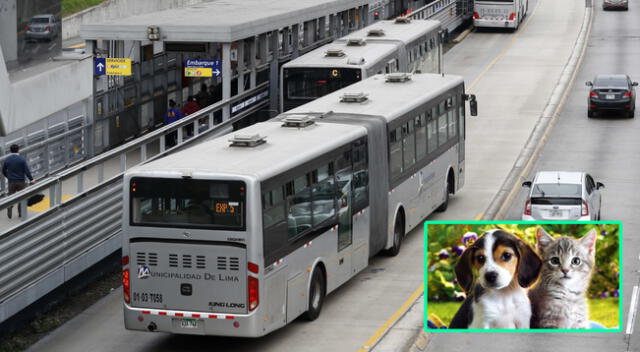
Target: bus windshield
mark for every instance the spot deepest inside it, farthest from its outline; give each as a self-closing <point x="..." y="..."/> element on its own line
<point x="187" y="203"/>
<point x="311" y="83"/>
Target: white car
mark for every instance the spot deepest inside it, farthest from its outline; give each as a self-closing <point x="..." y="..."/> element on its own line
<point x="562" y="195"/>
<point x="44" y="27"/>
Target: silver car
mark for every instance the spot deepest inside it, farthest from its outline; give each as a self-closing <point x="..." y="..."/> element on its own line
<point x="562" y="195"/>
<point x="615" y="5"/>
<point x="42" y="27"/>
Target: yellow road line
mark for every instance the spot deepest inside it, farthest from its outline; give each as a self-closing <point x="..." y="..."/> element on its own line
<point x="387" y="324"/>
<point x="507" y="47"/>
<point x="478" y="217"/>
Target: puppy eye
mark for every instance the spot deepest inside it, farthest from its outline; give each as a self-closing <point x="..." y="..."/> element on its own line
<point x="481" y="259"/>
<point x="555" y="261"/>
<point x="506" y="256"/>
<point x="576" y="261"/>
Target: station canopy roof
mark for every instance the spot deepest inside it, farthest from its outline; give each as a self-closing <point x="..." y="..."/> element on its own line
<point x="219" y="21"/>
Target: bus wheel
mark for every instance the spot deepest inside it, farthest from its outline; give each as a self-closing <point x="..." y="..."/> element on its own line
<point x="445" y="203"/>
<point x="317" y="291"/>
<point x="398" y="233"/>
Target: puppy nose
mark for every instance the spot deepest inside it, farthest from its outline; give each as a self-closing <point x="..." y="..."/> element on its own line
<point x="491" y="277"/>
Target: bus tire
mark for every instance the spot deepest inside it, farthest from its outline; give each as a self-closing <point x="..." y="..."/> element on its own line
<point x="398" y="234"/>
<point x="447" y="189"/>
<point x="317" y="292"/>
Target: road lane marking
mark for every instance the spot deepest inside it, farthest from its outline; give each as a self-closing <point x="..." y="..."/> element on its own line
<point x="506" y="48"/>
<point x="633" y="309"/>
<point x="478" y="217"/>
<point x="382" y="330"/>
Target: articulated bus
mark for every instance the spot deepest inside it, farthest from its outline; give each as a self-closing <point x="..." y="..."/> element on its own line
<point x="400" y="45"/>
<point x="499" y="13"/>
<point x="239" y="236"/>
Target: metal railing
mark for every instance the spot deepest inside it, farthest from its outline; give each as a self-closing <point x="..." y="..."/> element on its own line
<point x="42" y="252"/>
<point x="450" y="13"/>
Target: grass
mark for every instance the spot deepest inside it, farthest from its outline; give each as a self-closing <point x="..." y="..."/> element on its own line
<point x="69" y="7"/>
<point x="601" y="310"/>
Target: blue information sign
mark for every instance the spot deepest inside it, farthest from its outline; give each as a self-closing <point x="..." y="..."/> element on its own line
<point x="99" y="66"/>
<point x="214" y="65"/>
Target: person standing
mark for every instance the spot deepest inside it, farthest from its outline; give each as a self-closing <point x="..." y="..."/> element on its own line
<point x="173" y="115"/>
<point x="16" y="170"/>
<point x="190" y="106"/>
<point x="202" y="98"/>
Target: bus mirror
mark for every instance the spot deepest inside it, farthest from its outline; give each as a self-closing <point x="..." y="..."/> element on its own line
<point x="473" y="105"/>
<point x="526" y="184"/>
<point x="588" y="84"/>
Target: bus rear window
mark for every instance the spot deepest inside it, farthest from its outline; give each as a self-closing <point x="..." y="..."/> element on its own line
<point x="311" y="83"/>
<point x="187" y="203"/>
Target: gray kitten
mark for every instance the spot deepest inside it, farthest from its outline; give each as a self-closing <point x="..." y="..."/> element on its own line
<point x="559" y="300"/>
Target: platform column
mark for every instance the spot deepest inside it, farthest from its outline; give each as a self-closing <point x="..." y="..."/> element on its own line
<point x="226" y="79"/>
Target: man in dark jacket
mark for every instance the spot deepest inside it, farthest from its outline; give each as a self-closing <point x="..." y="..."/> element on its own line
<point x="16" y="170"/>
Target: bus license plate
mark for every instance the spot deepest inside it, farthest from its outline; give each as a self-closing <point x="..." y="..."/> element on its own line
<point x="611" y="96"/>
<point x="188" y="323"/>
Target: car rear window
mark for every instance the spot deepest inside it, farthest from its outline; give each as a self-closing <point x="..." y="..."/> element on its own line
<point x="555" y="190"/>
<point x="611" y="82"/>
<point x="556" y="201"/>
<point x="40" y="20"/>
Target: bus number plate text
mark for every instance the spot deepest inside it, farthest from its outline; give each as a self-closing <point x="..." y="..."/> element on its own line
<point x="145" y="297"/>
<point x="188" y="323"/>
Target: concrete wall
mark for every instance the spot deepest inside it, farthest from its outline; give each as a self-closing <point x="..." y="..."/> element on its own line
<point x="8" y="25"/>
<point x="29" y="100"/>
<point x="112" y="9"/>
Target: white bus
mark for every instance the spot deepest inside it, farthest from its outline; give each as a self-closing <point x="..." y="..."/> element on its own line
<point x="400" y="45"/>
<point x="499" y="13"/>
<point x="239" y="237"/>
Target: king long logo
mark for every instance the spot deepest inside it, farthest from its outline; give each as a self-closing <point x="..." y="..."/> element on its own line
<point x="143" y="272"/>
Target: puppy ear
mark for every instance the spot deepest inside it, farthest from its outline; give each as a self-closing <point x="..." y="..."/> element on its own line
<point x="529" y="265"/>
<point x="543" y="239"/>
<point x="464" y="275"/>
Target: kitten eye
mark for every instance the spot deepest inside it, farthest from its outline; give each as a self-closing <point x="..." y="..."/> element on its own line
<point x="555" y="261"/>
<point x="575" y="261"/>
<point x="506" y="257"/>
<point x="480" y="259"/>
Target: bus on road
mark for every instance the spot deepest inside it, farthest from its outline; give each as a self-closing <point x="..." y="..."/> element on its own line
<point x="239" y="236"/>
<point x="499" y="13"/>
<point x="401" y="45"/>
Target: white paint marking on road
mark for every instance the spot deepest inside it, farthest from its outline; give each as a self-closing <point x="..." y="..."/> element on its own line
<point x="52" y="46"/>
<point x="632" y="311"/>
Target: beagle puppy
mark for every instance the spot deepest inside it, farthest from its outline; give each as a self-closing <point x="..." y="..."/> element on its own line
<point x="495" y="272"/>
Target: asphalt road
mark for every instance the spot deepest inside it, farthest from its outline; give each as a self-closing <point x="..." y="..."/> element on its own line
<point x="510" y="100"/>
<point x="607" y="147"/>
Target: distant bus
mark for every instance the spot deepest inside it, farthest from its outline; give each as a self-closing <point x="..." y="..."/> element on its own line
<point x="400" y="45"/>
<point x="499" y="13"/>
<point x="240" y="236"/>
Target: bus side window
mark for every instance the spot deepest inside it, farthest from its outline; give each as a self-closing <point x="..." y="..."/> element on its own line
<point x="408" y="145"/>
<point x="395" y="152"/>
<point x="344" y="177"/>
<point x="442" y="124"/>
<point x="451" y="116"/>
<point x="421" y="136"/>
<point x="324" y="195"/>
<point x="299" y="205"/>
<point x="432" y="131"/>
<point x="360" y="184"/>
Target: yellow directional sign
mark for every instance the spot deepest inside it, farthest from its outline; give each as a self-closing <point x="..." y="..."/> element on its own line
<point x="198" y="72"/>
<point x="118" y="67"/>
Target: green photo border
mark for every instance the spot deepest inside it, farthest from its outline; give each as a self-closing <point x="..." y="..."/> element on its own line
<point x="426" y="275"/>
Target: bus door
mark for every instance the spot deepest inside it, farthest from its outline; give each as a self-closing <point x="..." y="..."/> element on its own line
<point x="344" y="177"/>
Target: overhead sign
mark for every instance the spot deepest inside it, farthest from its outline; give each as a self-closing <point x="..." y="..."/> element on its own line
<point x="202" y="68"/>
<point x="99" y="66"/>
<point x="118" y="67"/>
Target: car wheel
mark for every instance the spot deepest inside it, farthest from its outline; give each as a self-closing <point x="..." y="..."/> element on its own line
<point x="590" y="113"/>
<point x="631" y="113"/>
<point x="317" y="291"/>
<point x="398" y="234"/>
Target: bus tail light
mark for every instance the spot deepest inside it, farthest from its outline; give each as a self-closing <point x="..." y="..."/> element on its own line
<point x="126" y="288"/>
<point x="585" y="209"/>
<point x="476" y="16"/>
<point x="527" y="207"/>
<point x="253" y="267"/>
<point x="254" y="294"/>
<point x="512" y="16"/>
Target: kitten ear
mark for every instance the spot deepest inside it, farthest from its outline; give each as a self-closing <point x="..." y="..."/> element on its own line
<point x="543" y="239"/>
<point x="588" y="241"/>
<point x="464" y="275"/>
